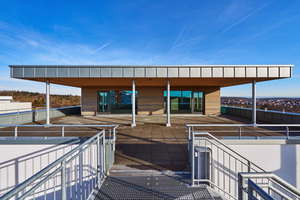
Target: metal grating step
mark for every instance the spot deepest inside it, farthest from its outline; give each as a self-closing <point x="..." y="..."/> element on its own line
<point x="152" y="187"/>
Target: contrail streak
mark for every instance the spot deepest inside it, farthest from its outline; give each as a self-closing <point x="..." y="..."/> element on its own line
<point x="236" y="23"/>
<point x="100" y="48"/>
<point x="179" y="35"/>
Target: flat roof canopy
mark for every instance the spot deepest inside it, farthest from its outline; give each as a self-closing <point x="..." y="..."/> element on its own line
<point x="179" y="75"/>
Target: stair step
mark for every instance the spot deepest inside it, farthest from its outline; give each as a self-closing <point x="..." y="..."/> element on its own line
<point x="152" y="187"/>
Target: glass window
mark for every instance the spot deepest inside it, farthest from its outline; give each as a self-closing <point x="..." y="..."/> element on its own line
<point x="120" y="102"/>
<point x="180" y="101"/>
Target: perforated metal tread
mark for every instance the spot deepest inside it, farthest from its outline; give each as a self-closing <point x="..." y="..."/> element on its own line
<point x="151" y="187"/>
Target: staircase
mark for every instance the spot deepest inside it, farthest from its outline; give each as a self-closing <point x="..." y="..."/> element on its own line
<point x="153" y="187"/>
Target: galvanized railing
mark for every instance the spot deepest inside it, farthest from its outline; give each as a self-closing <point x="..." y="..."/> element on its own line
<point x="265" y="186"/>
<point x="62" y="130"/>
<point x="224" y="163"/>
<point x="242" y="133"/>
<point x="73" y="176"/>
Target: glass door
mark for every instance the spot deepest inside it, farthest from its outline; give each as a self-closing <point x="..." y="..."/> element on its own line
<point x="198" y="102"/>
<point x="103" y="99"/>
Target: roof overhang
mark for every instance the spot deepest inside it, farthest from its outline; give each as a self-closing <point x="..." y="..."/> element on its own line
<point x="179" y="75"/>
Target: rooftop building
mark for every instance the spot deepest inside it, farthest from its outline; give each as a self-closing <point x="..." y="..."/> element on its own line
<point x="171" y="133"/>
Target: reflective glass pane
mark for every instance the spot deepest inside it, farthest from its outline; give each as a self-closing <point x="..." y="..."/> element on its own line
<point x="198" y="101"/>
<point x="103" y="102"/>
<point x="180" y="101"/>
<point x="121" y="102"/>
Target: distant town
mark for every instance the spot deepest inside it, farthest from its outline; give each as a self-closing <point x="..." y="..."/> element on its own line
<point x="271" y="103"/>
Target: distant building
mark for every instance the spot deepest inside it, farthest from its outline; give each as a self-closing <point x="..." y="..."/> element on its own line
<point x="8" y="106"/>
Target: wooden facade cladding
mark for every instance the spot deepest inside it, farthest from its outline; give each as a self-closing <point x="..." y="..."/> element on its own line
<point x="150" y="100"/>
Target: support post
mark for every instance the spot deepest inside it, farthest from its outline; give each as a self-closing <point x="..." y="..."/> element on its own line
<point x="63" y="181"/>
<point x="48" y="102"/>
<point x="168" y="104"/>
<point x="193" y="159"/>
<point x="98" y="163"/>
<point x="133" y="103"/>
<point x="254" y="102"/>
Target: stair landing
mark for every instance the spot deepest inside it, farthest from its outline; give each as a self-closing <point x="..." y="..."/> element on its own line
<point x="153" y="187"/>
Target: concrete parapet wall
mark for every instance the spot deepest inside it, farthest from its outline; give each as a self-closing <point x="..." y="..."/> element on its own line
<point x="268" y="116"/>
<point x="10" y="107"/>
<point x="36" y="115"/>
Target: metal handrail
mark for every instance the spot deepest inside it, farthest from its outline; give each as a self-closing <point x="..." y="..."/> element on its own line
<point x="250" y="175"/>
<point x="228" y="148"/>
<point x="192" y="126"/>
<point x="254" y="187"/>
<point x="63" y="127"/>
<point x="262" y="110"/>
<point x="216" y="142"/>
<point x="212" y="140"/>
<point x="42" y="172"/>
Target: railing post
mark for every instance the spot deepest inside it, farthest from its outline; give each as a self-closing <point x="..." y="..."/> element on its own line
<point x="249" y="166"/>
<point x="168" y="104"/>
<point x="16" y="132"/>
<point x="62" y="131"/>
<point x="240" y="132"/>
<point x="254" y="102"/>
<point x="240" y="187"/>
<point x="98" y="162"/>
<point x="287" y="132"/>
<point x="104" y="161"/>
<point x="114" y="138"/>
<point x="193" y="160"/>
<point x="189" y="138"/>
<point x="63" y="180"/>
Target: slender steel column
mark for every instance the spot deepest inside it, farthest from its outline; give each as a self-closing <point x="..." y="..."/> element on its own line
<point x="254" y="102"/>
<point x="133" y="103"/>
<point x="168" y="104"/>
<point x="47" y="102"/>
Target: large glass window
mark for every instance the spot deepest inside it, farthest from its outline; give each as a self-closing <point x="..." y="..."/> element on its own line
<point x="103" y="102"/>
<point x="198" y="101"/>
<point x="180" y="101"/>
<point x="184" y="101"/>
<point x="116" y="102"/>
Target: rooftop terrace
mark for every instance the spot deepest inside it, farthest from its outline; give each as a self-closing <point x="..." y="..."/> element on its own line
<point x="150" y="145"/>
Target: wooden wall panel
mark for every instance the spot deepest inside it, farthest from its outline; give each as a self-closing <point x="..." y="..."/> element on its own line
<point x="212" y="101"/>
<point x="88" y="101"/>
<point x="150" y="100"/>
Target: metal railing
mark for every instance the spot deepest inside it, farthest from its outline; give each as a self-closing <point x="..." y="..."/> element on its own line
<point x="111" y="129"/>
<point x="224" y="163"/>
<point x="239" y="129"/>
<point x="273" y="116"/>
<point x="263" y="110"/>
<point x="73" y="176"/>
<point x="265" y="186"/>
<point x="23" y="117"/>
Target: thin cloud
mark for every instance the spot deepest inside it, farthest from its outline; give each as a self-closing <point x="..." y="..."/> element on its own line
<point x="244" y="18"/>
<point x="100" y="48"/>
<point x="179" y="36"/>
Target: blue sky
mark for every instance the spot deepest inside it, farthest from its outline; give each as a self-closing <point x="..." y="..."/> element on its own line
<point x="157" y="32"/>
